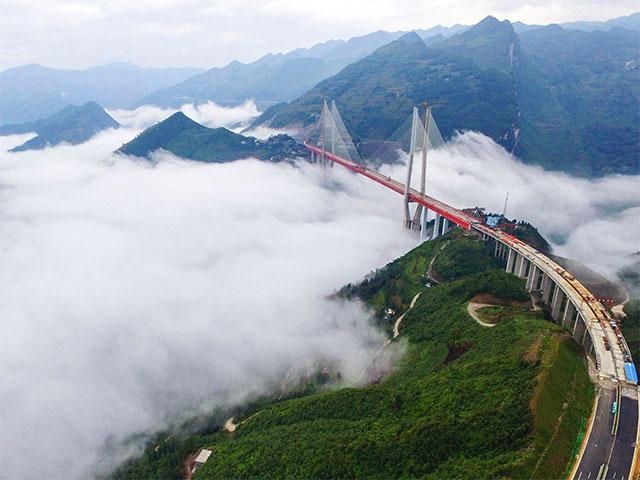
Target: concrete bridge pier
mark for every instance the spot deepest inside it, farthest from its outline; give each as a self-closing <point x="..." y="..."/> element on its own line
<point x="436" y="226"/>
<point x="446" y="225"/>
<point x="587" y="343"/>
<point x="511" y="260"/>
<point x="533" y="278"/>
<point x="572" y="321"/>
<point x="568" y="315"/>
<point x="424" y="219"/>
<point x="525" y="267"/>
<point x="579" y="330"/>
<point x="558" y="305"/>
<point x="517" y="265"/>
<point x="504" y="252"/>
<point x="547" y="287"/>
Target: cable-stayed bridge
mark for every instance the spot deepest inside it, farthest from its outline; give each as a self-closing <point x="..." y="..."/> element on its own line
<point x="609" y="449"/>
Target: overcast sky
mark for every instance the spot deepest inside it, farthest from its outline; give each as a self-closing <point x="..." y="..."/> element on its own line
<point x="208" y="33"/>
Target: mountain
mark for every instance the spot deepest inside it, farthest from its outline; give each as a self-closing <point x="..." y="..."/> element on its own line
<point x="489" y="44"/>
<point x="265" y="81"/>
<point x="441" y="32"/>
<point x="272" y="78"/>
<point x="73" y="124"/>
<point x="561" y="98"/>
<point x="630" y="22"/>
<point x="185" y="138"/>
<point x="376" y="94"/>
<point x="281" y="77"/>
<point x="578" y="97"/>
<point x="31" y="91"/>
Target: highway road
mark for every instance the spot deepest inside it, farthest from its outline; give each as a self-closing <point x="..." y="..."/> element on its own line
<point x="600" y="440"/>
<point x="622" y="454"/>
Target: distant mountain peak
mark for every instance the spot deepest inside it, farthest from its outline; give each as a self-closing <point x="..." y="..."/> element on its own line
<point x="410" y="38"/>
<point x="186" y="138"/>
<point x="180" y="119"/>
<point x="489" y="25"/>
<point x="488" y="20"/>
<point x="73" y="124"/>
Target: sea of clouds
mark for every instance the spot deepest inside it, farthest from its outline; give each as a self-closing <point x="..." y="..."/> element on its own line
<point x="134" y="294"/>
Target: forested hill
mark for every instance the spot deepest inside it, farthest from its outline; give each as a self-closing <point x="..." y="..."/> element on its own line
<point x="465" y="401"/>
<point x="185" y="138"/>
<point x="73" y="124"/>
<point x="561" y="98"/>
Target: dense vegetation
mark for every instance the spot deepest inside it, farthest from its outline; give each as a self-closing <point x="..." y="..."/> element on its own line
<point x="73" y="124"/>
<point x="465" y="402"/>
<point x="185" y="138"/>
<point x="377" y="93"/>
<point x="579" y="93"/>
<point x="561" y="98"/>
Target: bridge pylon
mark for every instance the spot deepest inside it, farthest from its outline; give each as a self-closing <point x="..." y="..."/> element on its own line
<point x="331" y="137"/>
<point x="421" y="139"/>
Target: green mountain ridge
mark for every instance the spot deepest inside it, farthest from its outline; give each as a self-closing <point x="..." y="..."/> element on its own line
<point x="465" y="401"/>
<point x="73" y="124"/>
<point x="188" y="139"/>
<point x="376" y="94"/>
<point x="564" y="99"/>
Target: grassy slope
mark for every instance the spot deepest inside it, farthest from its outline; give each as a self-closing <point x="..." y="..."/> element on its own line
<point x="459" y="405"/>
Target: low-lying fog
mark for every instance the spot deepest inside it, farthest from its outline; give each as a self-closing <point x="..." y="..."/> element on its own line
<point x="136" y="293"/>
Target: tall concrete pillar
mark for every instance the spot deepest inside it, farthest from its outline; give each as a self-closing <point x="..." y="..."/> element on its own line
<point x="424" y="219"/>
<point x="527" y="269"/>
<point x="573" y="320"/>
<point x="516" y="263"/>
<point x="532" y="279"/>
<point x="587" y="341"/>
<point x="569" y="311"/>
<point x="579" y="330"/>
<point x="436" y="226"/>
<point x="557" y="304"/>
<point x="523" y="267"/>
<point x="547" y="289"/>
<point x="445" y="225"/>
<point x="511" y="260"/>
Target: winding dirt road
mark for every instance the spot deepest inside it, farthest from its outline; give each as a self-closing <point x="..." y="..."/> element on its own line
<point x="472" y="309"/>
<point x="396" y="326"/>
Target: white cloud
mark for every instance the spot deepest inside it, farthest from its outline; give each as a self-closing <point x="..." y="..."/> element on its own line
<point x="263" y="132"/>
<point x="594" y="221"/>
<point x="134" y="294"/>
<point x="208" y="114"/>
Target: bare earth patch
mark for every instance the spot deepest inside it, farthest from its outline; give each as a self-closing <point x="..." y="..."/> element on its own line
<point x="472" y="310"/>
<point x="531" y="355"/>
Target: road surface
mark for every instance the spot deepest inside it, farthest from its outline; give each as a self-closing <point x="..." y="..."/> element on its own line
<point x="600" y="441"/>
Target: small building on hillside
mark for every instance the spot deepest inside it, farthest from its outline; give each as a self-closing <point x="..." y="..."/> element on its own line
<point x="201" y="459"/>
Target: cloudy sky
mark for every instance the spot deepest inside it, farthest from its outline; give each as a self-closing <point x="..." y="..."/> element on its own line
<point x="208" y="33"/>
